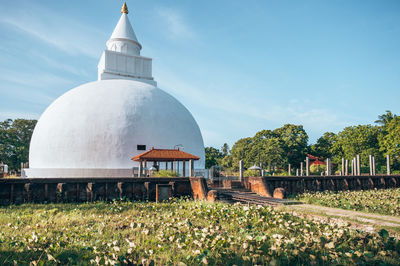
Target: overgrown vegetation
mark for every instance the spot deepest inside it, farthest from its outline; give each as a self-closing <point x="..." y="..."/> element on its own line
<point x="383" y="201"/>
<point x="188" y="232"/>
<point x="165" y="173"/>
<point x="316" y="169"/>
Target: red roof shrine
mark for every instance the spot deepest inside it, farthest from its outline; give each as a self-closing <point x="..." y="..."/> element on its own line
<point x="314" y="157"/>
<point x="316" y="162"/>
<point x="165" y="155"/>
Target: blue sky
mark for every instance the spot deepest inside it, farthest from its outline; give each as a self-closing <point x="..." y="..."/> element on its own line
<point x="238" y="66"/>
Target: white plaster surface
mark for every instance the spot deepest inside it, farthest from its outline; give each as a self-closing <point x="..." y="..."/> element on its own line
<point x="115" y="65"/>
<point x="75" y="173"/>
<point x="98" y="125"/>
<point x="123" y="39"/>
<point x="122" y="57"/>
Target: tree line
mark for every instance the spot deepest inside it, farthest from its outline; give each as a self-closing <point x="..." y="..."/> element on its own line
<point x="289" y="145"/>
<point x="15" y="137"/>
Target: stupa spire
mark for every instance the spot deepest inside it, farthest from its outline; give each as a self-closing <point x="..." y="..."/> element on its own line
<point x="122" y="59"/>
<point x="124" y="9"/>
<point x="123" y="39"/>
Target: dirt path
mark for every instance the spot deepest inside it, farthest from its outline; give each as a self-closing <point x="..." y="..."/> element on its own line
<point x="358" y="220"/>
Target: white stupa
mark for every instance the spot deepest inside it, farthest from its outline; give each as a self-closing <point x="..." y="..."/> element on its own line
<point x="95" y="129"/>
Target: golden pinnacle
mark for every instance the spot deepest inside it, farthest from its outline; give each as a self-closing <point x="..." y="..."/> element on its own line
<point x="124" y="8"/>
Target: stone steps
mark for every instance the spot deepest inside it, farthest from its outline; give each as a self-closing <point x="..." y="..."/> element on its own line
<point x="247" y="197"/>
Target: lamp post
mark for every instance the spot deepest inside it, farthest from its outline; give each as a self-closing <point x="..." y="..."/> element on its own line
<point x="152" y="170"/>
<point x="178" y="145"/>
<point x="255" y="167"/>
<point x="177" y="162"/>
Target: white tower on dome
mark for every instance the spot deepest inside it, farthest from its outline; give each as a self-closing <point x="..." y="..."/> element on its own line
<point x="122" y="57"/>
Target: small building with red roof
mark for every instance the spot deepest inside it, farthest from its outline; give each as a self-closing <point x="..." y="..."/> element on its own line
<point x="171" y="158"/>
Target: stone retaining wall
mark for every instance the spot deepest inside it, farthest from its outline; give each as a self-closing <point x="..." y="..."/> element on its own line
<point x="265" y="186"/>
<point x="15" y="191"/>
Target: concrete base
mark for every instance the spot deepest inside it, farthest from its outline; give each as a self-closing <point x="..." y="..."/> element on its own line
<point x="75" y="173"/>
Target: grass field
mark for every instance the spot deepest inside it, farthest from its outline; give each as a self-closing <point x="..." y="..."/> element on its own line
<point x="383" y="201"/>
<point x="180" y="232"/>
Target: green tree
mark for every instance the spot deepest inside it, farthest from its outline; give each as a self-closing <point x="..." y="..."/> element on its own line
<point x="323" y="147"/>
<point x="15" y="137"/>
<point x="353" y="140"/>
<point x="265" y="151"/>
<point x="389" y="141"/>
<point x="385" y="119"/>
<point x="240" y="151"/>
<point x="213" y="156"/>
<point x="293" y="140"/>
<point x="281" y="146"/>
<point x="226" y="162"/>
<point x="225" y="149"/>
<point x="272" y="151"/>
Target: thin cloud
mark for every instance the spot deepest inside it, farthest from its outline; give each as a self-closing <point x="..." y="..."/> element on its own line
<point x="174" y="24"/>
<point x="316" y="121"/>
<point x="56" y="30"/>
<point x="33" y="80"/>
<point x="58" y="65"/>
<point x="17" y="114"/>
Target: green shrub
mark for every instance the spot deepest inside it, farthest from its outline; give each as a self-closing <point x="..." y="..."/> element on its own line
<point x="316" y="169"/>
<point x="281" y="173"/>
<point x="166" y="173"/>
<point x="249" y="172"/>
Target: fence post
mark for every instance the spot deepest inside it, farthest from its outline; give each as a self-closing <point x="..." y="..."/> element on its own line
<point x="140" y="169"/>
<point x="373" y="165"/>
<point x="358" y="165"/>
<point x="343" y="166"/>
<point x="307" y="166"/>
<point x="191" y="166"/>
<point x="371" y="171"/>
<point x="388" y="164"/>
<point x="301" y="169"/>
<point x="241" y="170"/>
<point x="328" y="167"/>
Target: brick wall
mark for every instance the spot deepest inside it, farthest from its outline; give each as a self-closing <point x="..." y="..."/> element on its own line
<point x="15" y="191"/>
<point x="199" y="188"/>
<point x="265" y="186"/>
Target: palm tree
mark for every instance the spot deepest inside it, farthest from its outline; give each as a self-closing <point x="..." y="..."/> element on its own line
<point x="225" y="149"/>
<point x="385" y="118"/>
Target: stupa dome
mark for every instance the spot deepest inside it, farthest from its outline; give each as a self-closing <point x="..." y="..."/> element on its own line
<point x="95" y="129"/>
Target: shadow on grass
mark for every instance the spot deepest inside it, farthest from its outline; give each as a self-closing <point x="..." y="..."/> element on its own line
<point x="93" y="207"/>
<point x="97" y="206"/>
<point x="65" y="257"/>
